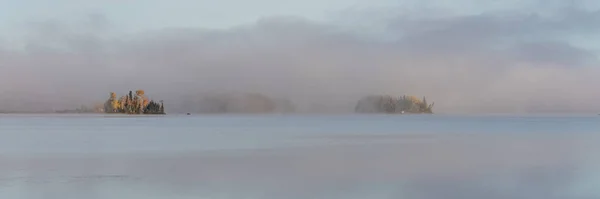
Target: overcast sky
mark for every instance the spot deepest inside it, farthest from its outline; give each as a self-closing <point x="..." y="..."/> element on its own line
<point x="465" y="55"/>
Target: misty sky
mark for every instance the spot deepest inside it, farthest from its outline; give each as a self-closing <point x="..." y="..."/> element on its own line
<point x="136" y="15"/>
<point x="465" y="55"/>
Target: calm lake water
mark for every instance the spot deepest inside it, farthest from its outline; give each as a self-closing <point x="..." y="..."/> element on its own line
<point x="299" y="156"/>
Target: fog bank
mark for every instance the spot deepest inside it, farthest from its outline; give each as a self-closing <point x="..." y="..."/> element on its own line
<point x="511" y="62"/>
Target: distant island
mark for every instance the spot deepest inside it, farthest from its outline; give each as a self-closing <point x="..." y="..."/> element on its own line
<point x="130" y="104"/>
<point x="238" y="103"/>
<point x="82" y="109"/>
<point x="393" y="105"/>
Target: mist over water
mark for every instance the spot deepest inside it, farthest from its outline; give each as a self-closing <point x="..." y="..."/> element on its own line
<point x="376" y="156"/>
<point x="517" y="58"/>
<point x="508" y="59"/>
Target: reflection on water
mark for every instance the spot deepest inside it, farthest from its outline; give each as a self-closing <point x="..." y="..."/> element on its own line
<point x="299" y="157"/>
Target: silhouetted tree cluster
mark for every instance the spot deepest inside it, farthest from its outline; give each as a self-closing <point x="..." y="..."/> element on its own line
<point x="154" y="108"/>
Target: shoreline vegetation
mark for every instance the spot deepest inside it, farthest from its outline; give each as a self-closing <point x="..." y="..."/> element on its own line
<point x="239" y="103"/>
<point x="393" y="105"/>
<point x="236" y="103"/>
<point x="130" y="104"/>
<point x="133" y="104"/>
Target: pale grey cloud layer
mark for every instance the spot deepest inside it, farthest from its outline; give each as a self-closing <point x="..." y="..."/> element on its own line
<point x="510" y="59"/>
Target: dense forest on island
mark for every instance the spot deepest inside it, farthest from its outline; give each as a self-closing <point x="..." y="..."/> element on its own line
<point x="133" y="104"/>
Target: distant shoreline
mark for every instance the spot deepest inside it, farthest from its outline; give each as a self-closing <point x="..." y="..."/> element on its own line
<point x="583" y="114"/>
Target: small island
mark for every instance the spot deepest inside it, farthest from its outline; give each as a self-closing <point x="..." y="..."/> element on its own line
<point x="393" y="105"/>
<point x="239" y="103"/>
<point x="130" y="104"/>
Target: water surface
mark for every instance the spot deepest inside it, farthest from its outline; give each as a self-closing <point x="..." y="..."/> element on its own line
<point x="299" y="156"/>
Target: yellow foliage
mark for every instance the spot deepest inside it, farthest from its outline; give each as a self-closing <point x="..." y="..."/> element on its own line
<point x="115" y="104"/>
<point x="128" y="103"/>
<point x="146" y="101"/>
<point x="414" y="99"/>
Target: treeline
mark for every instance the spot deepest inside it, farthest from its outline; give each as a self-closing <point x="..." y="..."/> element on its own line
<point x="246" y="103"/>
<point x="259" y="103"/>
<point x="82" y="109"/>
<point x="133" y="104"/>
<point x="391" y="104"/>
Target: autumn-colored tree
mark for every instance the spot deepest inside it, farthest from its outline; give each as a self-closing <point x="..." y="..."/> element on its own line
<point x="138" y="104"/>
<point x="112" y="105"/>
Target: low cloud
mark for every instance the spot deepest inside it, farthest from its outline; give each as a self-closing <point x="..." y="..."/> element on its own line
<point x="489" y="62"/>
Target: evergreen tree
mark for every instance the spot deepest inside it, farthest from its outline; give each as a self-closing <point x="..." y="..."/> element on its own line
<point x="162" y="107"/>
